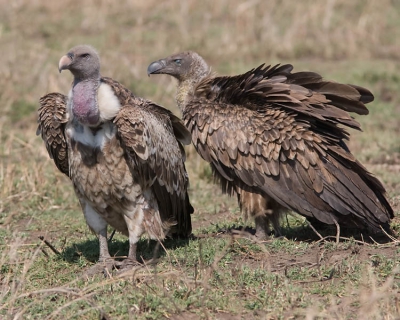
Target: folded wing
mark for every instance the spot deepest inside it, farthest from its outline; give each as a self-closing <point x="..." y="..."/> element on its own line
<point x="52" y="118"/>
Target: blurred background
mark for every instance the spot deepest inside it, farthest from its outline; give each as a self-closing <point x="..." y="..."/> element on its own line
<point x="350" y="41"/>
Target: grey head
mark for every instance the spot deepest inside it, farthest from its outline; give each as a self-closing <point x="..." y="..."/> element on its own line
<point x="83" y="61"/>
<point x="182" y="66"/>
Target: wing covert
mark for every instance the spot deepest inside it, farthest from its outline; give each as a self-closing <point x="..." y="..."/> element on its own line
<point x="274" y="152"/>
<point x="154" y="152"/>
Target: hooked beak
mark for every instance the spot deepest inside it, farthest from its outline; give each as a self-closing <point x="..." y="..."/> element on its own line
<point x="64" y="63"/>
<point x="156" y="67"/>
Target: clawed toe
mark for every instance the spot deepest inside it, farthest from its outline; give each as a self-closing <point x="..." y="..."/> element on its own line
<point x="261" y="235"/>
<point x="104" y="267"/>
<point x="127" y="265"/>
<point x="109" y="266"/>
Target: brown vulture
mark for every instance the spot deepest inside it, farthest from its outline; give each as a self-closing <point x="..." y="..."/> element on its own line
<point x="276" y="139"/>
<point x="123" y="154"/>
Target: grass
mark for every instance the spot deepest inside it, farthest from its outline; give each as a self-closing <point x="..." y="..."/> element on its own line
<point x="219" y="274"/>
<point x="203" y="277"/>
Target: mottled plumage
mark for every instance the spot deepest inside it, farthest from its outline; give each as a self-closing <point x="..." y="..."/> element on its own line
<point x="123" y="154"/>
<point x="277" y="140"/>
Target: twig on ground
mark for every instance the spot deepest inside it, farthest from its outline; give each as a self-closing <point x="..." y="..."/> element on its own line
<point x="390" y="236"/>
<point x="49" y="245"/>
<point x="337" y="231"/>
<point x="111" y="236"/>
<point x="373" y="240"/>
<point x="315" y="230"/>
<point x="342" y="238"/>
<point x="44" y="252"/>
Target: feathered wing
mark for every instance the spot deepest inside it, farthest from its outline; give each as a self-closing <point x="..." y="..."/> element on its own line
<point x="154" y="154"/>
<point x="125" y="97"/>
<point x="269" y="130"/>
<point x="52" y="118"/>
<point x="305" y="93"/>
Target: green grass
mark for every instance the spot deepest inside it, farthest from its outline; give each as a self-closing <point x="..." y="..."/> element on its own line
<point x="219" y="274"/>
<point x="203" y="276"/>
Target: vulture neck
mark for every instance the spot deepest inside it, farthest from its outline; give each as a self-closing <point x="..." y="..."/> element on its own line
<point x="188" y="82"/>
<point x="185" y="89"/>
<point x="84" y="101"/>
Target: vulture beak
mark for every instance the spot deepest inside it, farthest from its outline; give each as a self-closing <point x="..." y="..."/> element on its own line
<point x="156" y="67"/>
<point x="64" y="63"/>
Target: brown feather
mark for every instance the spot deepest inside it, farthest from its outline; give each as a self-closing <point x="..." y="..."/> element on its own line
<point x="127" y="169"/>
<point x="52" y="117"/>
<point x="284" y="134"/>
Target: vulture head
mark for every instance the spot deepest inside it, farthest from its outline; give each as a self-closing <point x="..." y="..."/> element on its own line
<point x="182" y="66"/>
<point x="83" y="61"/>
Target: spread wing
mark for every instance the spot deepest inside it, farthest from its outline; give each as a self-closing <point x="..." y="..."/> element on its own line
<point x="305" y="93"/>
<point x="154" y="153"/>
<point x="52" y="118"/>
<point x="269" y="130"/>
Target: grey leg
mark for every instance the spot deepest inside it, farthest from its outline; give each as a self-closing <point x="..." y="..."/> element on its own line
<point x="132" y="252"/>
<point x="262" y="227"/>
<point x="134" y="223"/>
<point x="99" y="226"/>
<point x="104" y="253"/>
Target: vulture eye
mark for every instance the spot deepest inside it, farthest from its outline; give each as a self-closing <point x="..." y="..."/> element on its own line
<point x="178" y="61"/>
<point x="85" y="55"/>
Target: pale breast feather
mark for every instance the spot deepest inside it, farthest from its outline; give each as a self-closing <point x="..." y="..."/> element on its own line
<point x="108" y="102"/>
<point x="96" y="139"/>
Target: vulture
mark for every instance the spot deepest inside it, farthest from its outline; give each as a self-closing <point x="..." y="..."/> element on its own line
<point x="123" y="154"/>
<point x="276" y="139"/>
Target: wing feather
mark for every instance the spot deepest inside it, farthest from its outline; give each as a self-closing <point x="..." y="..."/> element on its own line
<point x="153" y="138"/>
<point x="125" y="97"/>
<point x="52" y="118"/>
<point x="155" y="154"/>
<point x="306" y="171"/>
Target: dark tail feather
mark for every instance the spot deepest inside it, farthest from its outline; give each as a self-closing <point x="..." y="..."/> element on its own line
<point x="184" y="225"/>
<point x="362" y="192"/>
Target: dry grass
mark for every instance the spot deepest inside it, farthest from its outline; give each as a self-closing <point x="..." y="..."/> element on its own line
<point x="216" y="276"/>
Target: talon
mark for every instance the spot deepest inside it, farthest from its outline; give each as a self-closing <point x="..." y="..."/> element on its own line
<point x="105" y="266"/>
<point x="128" y="264"/>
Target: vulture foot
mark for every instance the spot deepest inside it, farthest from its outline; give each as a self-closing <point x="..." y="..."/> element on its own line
<point x="261" y="235"/>
<point x="262" y="228"/>
<point x="104" y="267"/>
<point x="128" y="264"/>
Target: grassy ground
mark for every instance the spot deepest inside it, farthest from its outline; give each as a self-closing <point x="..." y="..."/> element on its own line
<point x="220" y="274"/>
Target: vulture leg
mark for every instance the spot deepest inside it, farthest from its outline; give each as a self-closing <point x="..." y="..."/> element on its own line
<point x="263" y="209"/>
<point x="131" y="260"/>
<point x="104" y="253"/>
<point x="97" y="224"/>
<point x="134" y="222"/>
<point x="262" y="227"/>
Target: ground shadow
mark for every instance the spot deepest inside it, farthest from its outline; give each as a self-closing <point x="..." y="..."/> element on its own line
<point x="327" y="232"/>
<point x="152" y="250"/>
<point x="146" y="250"/>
